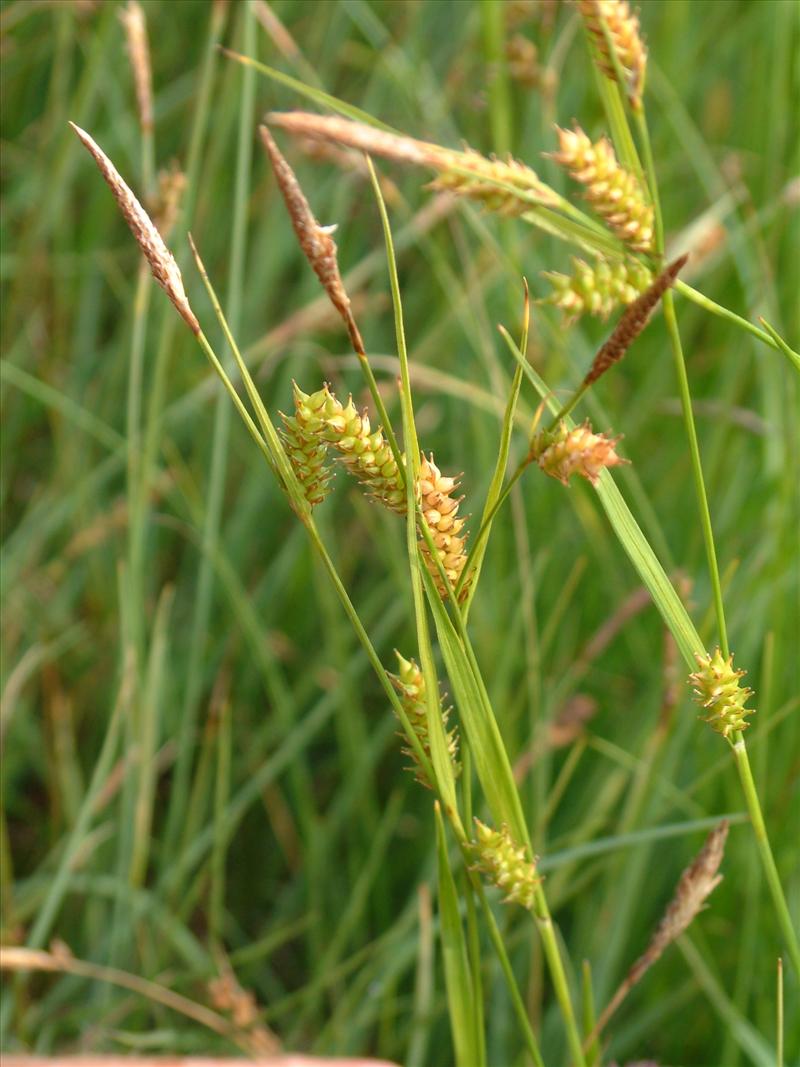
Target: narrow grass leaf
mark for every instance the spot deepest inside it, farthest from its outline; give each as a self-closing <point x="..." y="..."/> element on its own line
<point x="318" y="96"/>
<point x="460" y="994"/>
<point x="489" y="755"/>
<point x="437" y="734"/>
<point x="631" y="538"/>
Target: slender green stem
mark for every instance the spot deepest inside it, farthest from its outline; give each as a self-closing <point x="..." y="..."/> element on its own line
<point x="570" y="405"/>
<point x="767" y="859"/>
<point x="221" y="793"/>
<point x="791" y="355"/>
<point x="508" y="972"/>
<point x="686" y="399"/>
<point x="558" y="976"/>
<point x="697" y="470"/>
<point x="490" y="516"/>
<point x="779" y="1016"/>
<point x="500" y="110"/>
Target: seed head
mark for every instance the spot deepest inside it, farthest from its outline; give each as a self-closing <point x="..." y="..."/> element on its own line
<point x="633" y="321"/>
<point x="135" y="25"/>
<point x="717" y="689"/>
<point x="367" y="455"/>
<point x="162" y="263"/>
<point x="509" y="185"/>
<point x="440" y="510"/>
<point x="597" y="288"/>
<point x="563" y="452"/>
<point x="305" y="446"/>
<point x="506" y="864"/>
<point x="316" y="242"/>
<point x="623" y="34"/>
<point x="410" y="683"/>
<point x="696" y="884"/>
<point x="614" y="192"/>
<point x="321" y="420"/>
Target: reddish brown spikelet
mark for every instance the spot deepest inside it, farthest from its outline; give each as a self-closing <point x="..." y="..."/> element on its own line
<point x="696" y="884"/>
<point x="316" y="242"/>
<point x="162" y="263"/>
<point x="633" y="321"/>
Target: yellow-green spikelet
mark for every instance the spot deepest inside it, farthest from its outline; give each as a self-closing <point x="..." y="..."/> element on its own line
<point x="304" y="441"/>
<point x="717" y="689"/>
<point x="597" y="288"/>
<point x="506" y="864"/>
<point x="366" y="454"/>
<point x="410" y="683"/>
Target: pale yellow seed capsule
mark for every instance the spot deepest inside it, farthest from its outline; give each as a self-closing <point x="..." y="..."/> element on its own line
<point x="563" y="452"/>
<point x="614" y="192"/>
<point x="440" y="511"/>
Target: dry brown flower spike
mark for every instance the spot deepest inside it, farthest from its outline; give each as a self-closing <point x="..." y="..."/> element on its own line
<point x="162" y="263"/>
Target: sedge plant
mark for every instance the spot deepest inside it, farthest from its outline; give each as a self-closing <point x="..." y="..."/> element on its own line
<point x="455" y="741"/>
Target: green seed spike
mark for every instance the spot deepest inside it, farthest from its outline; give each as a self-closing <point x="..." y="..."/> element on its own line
<point x="717" y="689"/>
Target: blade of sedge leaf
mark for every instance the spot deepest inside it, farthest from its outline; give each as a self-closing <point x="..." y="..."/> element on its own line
<point x="437" y="738"/>
<point x="489" y="754"/>
<point x="458" y="981"/>
<point x="630" y="536"/>
<point x="318" y="96"/>
<point x="496" y="484"/>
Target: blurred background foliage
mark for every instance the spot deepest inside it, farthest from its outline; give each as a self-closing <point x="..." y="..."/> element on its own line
<point x="300" y="851"/>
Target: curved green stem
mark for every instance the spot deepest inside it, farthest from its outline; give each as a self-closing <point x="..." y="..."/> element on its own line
<point x="686" y="400"/>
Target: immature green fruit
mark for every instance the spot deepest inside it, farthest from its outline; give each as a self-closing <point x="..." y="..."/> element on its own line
<point x="597" y="288"/>
<point x="410" y="683"/>
<point x="717" y="689"/>
<point x="505" y="863"/>
<point x="319" y="422"/>
<point x="563" y="452"/>
<point x="367" y="455"/>
<point x="614" y="192"/>
<point x="305" y="446"/>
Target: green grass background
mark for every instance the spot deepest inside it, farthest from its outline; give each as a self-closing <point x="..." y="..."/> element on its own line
<point x="303" y="848"/>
